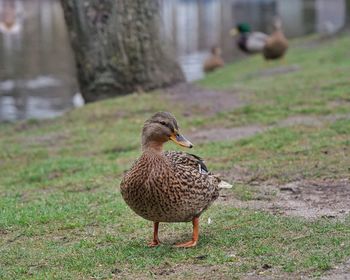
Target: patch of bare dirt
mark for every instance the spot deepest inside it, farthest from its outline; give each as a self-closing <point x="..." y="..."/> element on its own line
<point x="311" y="120"/>
<point x="221" y="133"/>
<point x="178" y="271"/>
<point x="272" y="274"/>
<point x="301" y="120"/>
<point x="107" y="116"/>
<point x="204" y="101"/>
<point x="263" y="200"/>
<point x="308" y="198"/>
<point x="53" y="138"/>
<point x="340" y="272"/>
<point x="28" y="125"/>
<point x="193" y="271"/>
<point x="276" y="71"/>
<point x="198" y="270"/>
<point x="315" y="198"/>
<point x="3" y="231"/>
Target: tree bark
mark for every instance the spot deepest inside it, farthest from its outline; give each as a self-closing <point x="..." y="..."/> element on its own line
<point x="346" y="26"/>
<point x="118" y="48"/>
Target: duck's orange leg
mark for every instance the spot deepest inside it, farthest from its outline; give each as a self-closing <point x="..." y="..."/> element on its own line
<point x="155" y="242"/>
<point x="195" y="235"/>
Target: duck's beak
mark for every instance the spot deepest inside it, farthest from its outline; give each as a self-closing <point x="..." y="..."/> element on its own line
<point x="180" y="140"/>
<point x="233" y="32"/>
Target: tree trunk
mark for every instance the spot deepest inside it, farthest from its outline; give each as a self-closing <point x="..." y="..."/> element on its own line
<point x="118" y="48"/>
<point x="347" y="16"/>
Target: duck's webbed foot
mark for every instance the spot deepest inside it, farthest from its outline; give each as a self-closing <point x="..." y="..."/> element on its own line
<point x="195" y="236"/>
<point x="154" y="243"/>
<point x="189" y="244"/>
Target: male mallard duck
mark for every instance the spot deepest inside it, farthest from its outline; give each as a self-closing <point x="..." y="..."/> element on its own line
<point x="169" y="186"/>
<point x="276" y="44"/>
<point x="248" y="41"/>
<point x="214" y="61"/>
<point x="271" y="46"/>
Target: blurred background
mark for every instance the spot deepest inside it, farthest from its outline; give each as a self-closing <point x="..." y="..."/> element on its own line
<point x="37" y="71"/>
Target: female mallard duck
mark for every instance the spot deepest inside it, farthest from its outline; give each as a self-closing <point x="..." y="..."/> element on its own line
<point x="271" y="46"/>
<point x="168" y="186"/>
<point x="214" y="61"/>
<point x="276" y="44"/>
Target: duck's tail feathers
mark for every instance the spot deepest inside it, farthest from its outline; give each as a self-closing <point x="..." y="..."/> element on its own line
<point x="224" y="185"/>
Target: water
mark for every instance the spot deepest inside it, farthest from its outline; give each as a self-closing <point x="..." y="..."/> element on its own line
<point x="37" y="72"/>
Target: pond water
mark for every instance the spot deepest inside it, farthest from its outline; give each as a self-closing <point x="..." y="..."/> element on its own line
<point x="37" y="73"/>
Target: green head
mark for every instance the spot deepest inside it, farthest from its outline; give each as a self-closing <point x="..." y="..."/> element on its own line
<point x="243" y="28"/>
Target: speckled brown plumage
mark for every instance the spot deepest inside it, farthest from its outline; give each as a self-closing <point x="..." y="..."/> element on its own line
<point x="214" y="61"/>
<point x="276" y="44"/>
<point x="167" y="186"/>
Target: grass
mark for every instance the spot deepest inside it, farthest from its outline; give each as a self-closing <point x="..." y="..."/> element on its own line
<point x="62" y="216"/>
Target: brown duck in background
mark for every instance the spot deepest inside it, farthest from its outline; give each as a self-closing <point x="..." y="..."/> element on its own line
<point x="214" y="61"/>
<point x="276" y="44"/>
<point x="169" y="186"/>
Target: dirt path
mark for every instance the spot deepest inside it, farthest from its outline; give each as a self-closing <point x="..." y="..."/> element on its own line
<point x="341" y="272"/>
<point x="236" y="133"/>
<point x="222" y="134"/>
<point x="276" y="71"/>
<point x="209" y="102"/>
<point x="308" y="198"/>
<point x="202" y="101"/>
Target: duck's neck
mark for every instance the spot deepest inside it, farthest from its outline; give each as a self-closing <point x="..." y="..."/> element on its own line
<point x="152" y="147"/>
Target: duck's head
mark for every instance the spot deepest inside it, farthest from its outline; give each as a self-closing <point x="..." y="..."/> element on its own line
<point x="215" y="50"/>
<point x="277" y="23"/>
<point x="241" y="28"/>
<point x="160" y="128"/>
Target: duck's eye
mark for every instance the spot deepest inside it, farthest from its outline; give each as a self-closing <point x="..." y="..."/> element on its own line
<point x="163" y="123"/>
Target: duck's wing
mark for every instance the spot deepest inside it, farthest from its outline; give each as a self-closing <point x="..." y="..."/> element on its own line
<point x="191" y="162"/>
<point x="191" y="173"/>
<point x="192" y="183"/>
